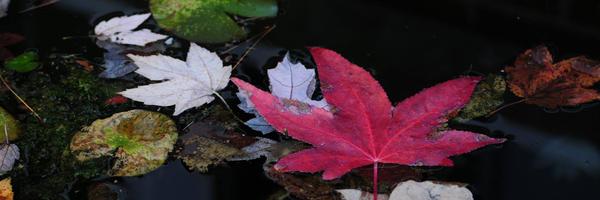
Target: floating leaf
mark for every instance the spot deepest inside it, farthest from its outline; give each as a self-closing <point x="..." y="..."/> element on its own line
<point x="540" y="81"/>
<point x="8" y="124"/>
<point x="363" y="128"/>
<point x="120" y="30"/>
<point x="488" y="95"/>
<point x="25" y="62"/>
<point x="186" y="84"/>
<point x="139" y="139"/>
<point x="208" y="20"/>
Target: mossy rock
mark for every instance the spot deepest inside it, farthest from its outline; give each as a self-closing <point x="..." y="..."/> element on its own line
<point x="208" y="20"/>
<point x="140" y="140"/>
<point x="12" y="127"/>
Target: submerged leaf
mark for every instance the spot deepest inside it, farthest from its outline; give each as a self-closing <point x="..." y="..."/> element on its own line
<point x="25" y="62"/>
<point x="186" y="84"/>
<point x="208" y="143"/>
<point x="9" y="153"/>
<point x="116" y="62"/>
<point x="7" y="39"/>
<point x="208" y="20"/>
<point x="139" y="139"/>
<point x="8" y="126"/>
<point x="542" y="82"/>
<point x="488" y="95"/>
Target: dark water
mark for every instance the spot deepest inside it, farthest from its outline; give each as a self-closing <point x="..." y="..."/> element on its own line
<point x="408" y="46"/>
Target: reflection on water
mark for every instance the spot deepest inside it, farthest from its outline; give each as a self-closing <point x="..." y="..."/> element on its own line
<point x="568" y="158"/>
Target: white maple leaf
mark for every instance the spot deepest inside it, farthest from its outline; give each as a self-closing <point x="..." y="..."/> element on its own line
<point x="287" y="80"/>
<point x="120" y="30"/>
<point x="9" y="153"/>
<point x="3" y="7"/>
<point x="412" y="190"/>
<point x="187" y="84"/>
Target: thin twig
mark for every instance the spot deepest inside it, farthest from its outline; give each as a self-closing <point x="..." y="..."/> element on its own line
<point x="228" y="108"/>
<point x="39" y="6"/>
<point x="253" y="45"/>
<point x="505" y="106"/>
<point x="20" y="99"/>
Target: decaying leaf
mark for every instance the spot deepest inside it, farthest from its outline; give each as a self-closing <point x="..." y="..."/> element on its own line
<point x="208" y="143"/>
<point x="9" y="153"/>
<point x="139" y="140"/>
<point x="287" y="80"/>
<point x="208" y="20"/>
<point x="363" y="127"/>
<point x="121" y="30"/>
<point x="488" y="95"/>
<point x="535" y="77"/>
<point x="186" y="84"/>
<point x="302" y="187"/>
<point x="412" y="190"/>
<point x="6" y="191"/>
<point x="8" y="126"/>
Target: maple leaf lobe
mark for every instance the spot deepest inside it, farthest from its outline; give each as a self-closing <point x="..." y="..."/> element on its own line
<point x="365" y="128"/>
<point x="535" y="77"/>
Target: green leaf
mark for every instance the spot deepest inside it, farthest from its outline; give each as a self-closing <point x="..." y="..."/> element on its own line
<point x="8" y="123"/>
<point x="25" y="62"/>
<point x="209" y="20"/>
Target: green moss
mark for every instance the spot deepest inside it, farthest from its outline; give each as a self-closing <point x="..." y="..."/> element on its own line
<point x="67" y="98"/>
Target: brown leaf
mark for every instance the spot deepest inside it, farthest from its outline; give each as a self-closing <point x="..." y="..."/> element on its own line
<point x="6" y="191"/>
<point x="536" y="78"/>
<point x="87" y="66"/>
<point x="302" y="186"/>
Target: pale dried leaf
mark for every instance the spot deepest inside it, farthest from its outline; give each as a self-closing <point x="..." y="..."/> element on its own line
<point x="188" y="84"/>
<point x="120" y="30"/>
<point x="9" y="153"/>
<point x="287" y="80"/>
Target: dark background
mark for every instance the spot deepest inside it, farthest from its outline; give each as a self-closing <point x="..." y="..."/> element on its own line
<point x="407" y="46"/>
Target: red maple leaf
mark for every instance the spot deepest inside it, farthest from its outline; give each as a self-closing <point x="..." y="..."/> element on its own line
<point x="363" y="127"/>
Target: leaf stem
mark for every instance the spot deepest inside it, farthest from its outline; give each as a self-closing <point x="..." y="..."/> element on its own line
<point x="227" y="106"/>
<point x="506" y="106"/>
<point x="375" y="181"/>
